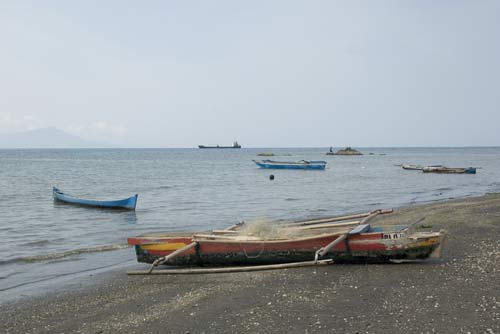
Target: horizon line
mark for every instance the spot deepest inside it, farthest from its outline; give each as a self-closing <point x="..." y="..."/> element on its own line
<point x="236" y="149"/>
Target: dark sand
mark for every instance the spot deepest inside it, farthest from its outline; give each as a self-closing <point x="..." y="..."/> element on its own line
<point x="459" y="293"/>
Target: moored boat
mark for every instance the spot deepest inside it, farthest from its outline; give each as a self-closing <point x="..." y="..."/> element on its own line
<point x="302" y="164"/>
<point x="127" y="203"/>
<point x="303" y="241"/>
<point x="417" y="167"/>
<point x="412" y="167"/>
<point x="347" y="151"/>
<point x="447" y="170"/>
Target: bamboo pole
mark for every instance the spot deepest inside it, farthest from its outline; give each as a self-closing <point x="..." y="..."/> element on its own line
<point x="327" y="225"/>
<point x="328" y="220"/>
<point x="227" y="237"/>
<point x="190" y="271"/>
<point x="335" y="219"/>
<point x="235" y="226"/>
<point x="223" y="232"/>
<point x="322" y="251"/>
<point x="164" y="259"/>
<point x="370" y="217"/>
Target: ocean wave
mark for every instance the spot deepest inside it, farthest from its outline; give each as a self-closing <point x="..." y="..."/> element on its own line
<point x="37" y="243"/>
<point x="61" y="255"/>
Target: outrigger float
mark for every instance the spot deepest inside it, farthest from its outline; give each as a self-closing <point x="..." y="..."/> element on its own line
<point x="304" y="243"/>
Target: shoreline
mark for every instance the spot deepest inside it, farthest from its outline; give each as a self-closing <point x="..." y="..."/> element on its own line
<point x="457" y="293"/>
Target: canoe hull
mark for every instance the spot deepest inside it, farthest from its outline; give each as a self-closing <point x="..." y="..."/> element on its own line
<point x="446" y="170"/>
<point x="366" y="248"/>
<point x="124" y="204"/>
<point x="412" y="167"/>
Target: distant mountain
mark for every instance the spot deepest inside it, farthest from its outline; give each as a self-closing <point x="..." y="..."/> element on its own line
<point x="44" y="138"/>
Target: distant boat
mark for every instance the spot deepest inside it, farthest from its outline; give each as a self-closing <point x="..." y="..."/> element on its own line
<point x="127" y="203"/>
<point x="412" y="167"/>
<point x="302" y="164"/>
<point x="235" y="145"/>
<point x="446" y="170"/>
<point x="347" y="151"/>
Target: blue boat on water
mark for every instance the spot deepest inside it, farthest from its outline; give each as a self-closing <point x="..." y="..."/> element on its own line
<point x="302" y="164"/>
<point x="127" y="203"/>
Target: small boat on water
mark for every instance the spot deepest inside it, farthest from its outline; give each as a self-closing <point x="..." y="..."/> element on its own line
<point x="127" y="203"/>
<point x="334" y="238"/>
<point x="302" y="164"/>
<point x="235" y="145"/>
<point x="347" y="151"/>
<point x="447" y="170"/>
<point x="412" y="167"/>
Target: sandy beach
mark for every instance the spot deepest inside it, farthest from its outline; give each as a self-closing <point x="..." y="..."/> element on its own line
<point x="459" y="293"/>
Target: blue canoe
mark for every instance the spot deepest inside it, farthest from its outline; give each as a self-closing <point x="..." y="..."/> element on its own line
<point x="303" y="164"/>
<point x="127" y="203"/>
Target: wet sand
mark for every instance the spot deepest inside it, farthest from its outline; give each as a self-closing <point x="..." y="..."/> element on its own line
<point x="459" y="293"/>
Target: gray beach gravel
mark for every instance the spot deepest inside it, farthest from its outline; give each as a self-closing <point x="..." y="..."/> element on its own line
<point x="459" y="293"/>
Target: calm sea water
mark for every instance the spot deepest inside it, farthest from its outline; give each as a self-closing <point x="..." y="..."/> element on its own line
<point x="192" y="189"/>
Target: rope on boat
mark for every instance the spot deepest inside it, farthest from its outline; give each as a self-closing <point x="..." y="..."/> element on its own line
<point x="190" y="271"/>
<point x="254" y="256"/>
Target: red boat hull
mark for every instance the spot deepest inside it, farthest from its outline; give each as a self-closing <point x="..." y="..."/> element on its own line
<point x="365" y="247"/>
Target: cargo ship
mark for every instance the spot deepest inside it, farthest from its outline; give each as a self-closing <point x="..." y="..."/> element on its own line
<point x="235" y="145"/>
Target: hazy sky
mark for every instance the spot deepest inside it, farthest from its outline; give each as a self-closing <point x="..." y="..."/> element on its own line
<point x="268" y="73"/>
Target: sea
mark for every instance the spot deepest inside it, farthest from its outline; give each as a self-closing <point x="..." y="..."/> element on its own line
<point x="45" y="244"/>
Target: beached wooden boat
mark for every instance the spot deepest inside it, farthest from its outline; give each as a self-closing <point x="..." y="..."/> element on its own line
<point x="127" y="203"/>
<point x="447" y="170"/>
<point x="303" y="164"/>
<point x="341" y="242"/>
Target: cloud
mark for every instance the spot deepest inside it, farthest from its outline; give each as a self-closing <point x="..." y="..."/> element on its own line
<point x="99" y="130"/>
<point x="10" y="122"/>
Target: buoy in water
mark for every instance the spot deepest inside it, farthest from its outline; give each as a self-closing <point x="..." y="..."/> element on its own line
<point x="271" y="177"/>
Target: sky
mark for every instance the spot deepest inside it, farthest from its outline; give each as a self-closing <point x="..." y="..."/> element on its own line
<point x="267" y="73"/>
